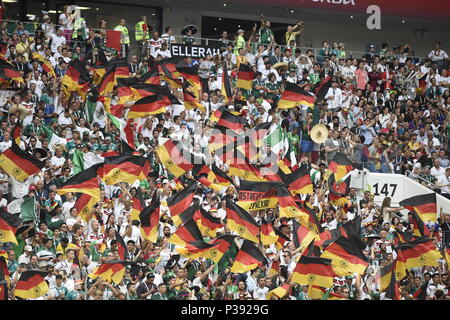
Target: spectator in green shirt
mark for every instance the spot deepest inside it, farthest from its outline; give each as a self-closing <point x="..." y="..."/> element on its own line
<point x="265" y="32"/>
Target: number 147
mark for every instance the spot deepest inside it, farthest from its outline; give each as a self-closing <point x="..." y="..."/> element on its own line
<point x="384" y="190"/>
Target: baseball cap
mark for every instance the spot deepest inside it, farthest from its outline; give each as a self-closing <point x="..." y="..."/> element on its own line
<point x="28" y="248"/>
<point x="32" y="188"/>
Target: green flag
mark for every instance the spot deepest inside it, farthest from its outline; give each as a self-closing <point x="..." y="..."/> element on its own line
<point x="78" y="161"/>
<point x="28" y="209"/>
<point x="90" y="109"/>
<point x="53" y="138"/>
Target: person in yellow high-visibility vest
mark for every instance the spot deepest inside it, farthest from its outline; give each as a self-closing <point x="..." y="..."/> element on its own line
<point x="125" y="37"/>
<point x="142" y="34"/>
<point x="240" y="42"/>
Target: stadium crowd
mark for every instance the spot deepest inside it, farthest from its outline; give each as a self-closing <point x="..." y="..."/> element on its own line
<point x="385" y="111"/>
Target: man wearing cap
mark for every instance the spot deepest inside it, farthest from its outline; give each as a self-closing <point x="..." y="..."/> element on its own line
<point x="240" y="42"/>
<point x="147" y="287"/>
<point x="26" y="256"/>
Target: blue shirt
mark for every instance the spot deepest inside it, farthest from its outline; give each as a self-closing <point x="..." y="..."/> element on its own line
<point x="367" y="133"/>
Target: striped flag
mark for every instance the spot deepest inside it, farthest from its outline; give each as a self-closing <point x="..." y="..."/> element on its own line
<point x="277" y="140"/>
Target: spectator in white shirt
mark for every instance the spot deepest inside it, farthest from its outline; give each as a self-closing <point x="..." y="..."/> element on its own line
<point x="155" y="43"/>
<point x="58" y="40"/>
<point x="334" y="96"/>
<point x="164" y="52"/>
<point x="437" y="54"/>
<point x="261" y="291"/>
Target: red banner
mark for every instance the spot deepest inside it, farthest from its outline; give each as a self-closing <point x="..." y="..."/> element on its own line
<point x="113" y="39"/>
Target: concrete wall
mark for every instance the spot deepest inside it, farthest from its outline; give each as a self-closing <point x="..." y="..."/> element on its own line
<point x="178" y="18"/>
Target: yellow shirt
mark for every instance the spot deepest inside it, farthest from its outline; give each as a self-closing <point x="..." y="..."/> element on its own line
<point x="60" y="249"/>
<point x="290" y="36"/>
<point x="241" y="59"/>
<point x="413" y="146"/>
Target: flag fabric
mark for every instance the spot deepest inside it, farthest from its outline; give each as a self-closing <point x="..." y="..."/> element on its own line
<point x="322" y="88"/>
<point x="84" y="182"/>
<point x="112" y="271"/>
<point x="221" y="177"/>
<point x="293" y="96"/>
<point x="76" y="78"/>
<point x="150" y="105"/>
<point x="207" y="224"/>
<point x="288" y="207"/>
<point x="416" y="254"/>
<point x="151" y="77"/>
<point x="301" y="236"/>
<point x="113" y="39"/>
<point x="9" y="72"/>
<point x="239" y="165"/>
<point x="45" y="64"/>
<point x="282" y="239"/>
<point x="19" y="164"/>
<point x="257" y="196"/>
<point x="339" y="191"/>
<point x="447" y="254"/>
<point x="228" y="120"/>
<point x="340" y="165"/>
<point x="346" y="257"/>
<point x="181" y="201"/>
<point x="277" y="140"/>
<point x="186" y="233"/>
<point x="419" y="228"/>
<point x="241" y="222"/>
<point x="191" y="101"/>
<point x="274" y="268"/>
<point x="149" y="218"/>
<point x="213" y="250"/>
<point x="31" y="285"/>
<point x="17" y="133"/>
<point x="267" y="234"/>
<point x="245" y="77"/>
<point x="28" y="209"/>
<point x="84" y="205"/>
<point x="125" y="130"/>
<point x="388" y="282"/>
<point x="279" y="292"/>
<point x="54" y="140"/>
<point x="121" y="246"/>
<point x="248" y="258"/>
<point x="115" y="69"/>
<point x="313" y="222"/>
<point x="314" y="271"/>
<point x="175" y="157"/>
<point x="124" y="168"/>
<point x="424" y="205"/>
<point x="8" y="227"/>
<point x="83" y="160"/>
<point x="299" y="181"/>
<point x="226" y="84"/>
<point x="190" y="74"/>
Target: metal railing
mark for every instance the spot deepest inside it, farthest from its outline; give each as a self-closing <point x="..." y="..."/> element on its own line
<point x="414" y="176"/>
<point x="197" y="40"/>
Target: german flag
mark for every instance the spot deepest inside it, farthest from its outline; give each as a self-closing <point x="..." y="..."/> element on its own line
<point x="279" y="292"/>
<point x="322" y="88"/>
<point x="267" y="235"/>
<point x="213" y="250"/>
<point x="112" y="271"/>
<point x="171" y="65"/>
<point x="245" y="77"/>
<point x="175" y="158"/>
<point x="180" y="202"/>
<point x="339" y="191"/>
<point x="84" y="205"/>
<point x="248" y="258"/>
<point x="151" y="77"/>
<point x="301" y="235"/>
<point x="424" y="205"/>
<point x="8" y="226"/>
<point x="220" y="137"/>
<point x="241" y="222"/>
<point x="419" y="228"/>
<point x="99" y="68"/>
<point x="124" y="90"/>
<point x="77" y="77"/>
<point x="31" y="285"/>
<point x="207" y="224"/>
<point x="17" y="133"/>
<point x="123" y="168"/>
<point x="258" y="196"/>
<point x="240" y="166"/>
<point x="191" y="101"/>
<point x="149" y="105"/>
<point x="401" y="237"/>
<point x="84" y="182"/>
<point x="9" y="72"/>
<point x="313" y="222"/>
<point x="258" y="133"/>
<point x="340" y="165"/>
<point x="346" y="257"/>
<point x="294" y="96"/>
<point x="45" y="64"/>
<point x="226" y="85"/>
<point x="447" y="254"/>
<point x="107" y="83"/>
<point x="324" y="239"/>
<point x="314" y="271"/>
<point x="417" y="253"/>
<point x="19" y="164"/>
<point x="299" y="181"/>
<point x="149" y="218"/>
<point x="274" y="269"/>
<point x="190" y="74"/>
<point x="137" y="205"/>
<point x="140" y="90"/>
<point x="288" y="207"/>
<point x="186" y="233"/>
<point x="221" y="177"/>
<point x="3" y="289"/>
<point x="388" y="282"/>
<point x="228" y="120"/>
<point x="121" y="246"/>
<point x="115" y="69"/>
<point x="282" y="239"/>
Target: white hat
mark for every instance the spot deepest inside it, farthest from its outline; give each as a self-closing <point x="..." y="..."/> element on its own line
<point x="231" y="107"/>
<point x="271" y="251"/>
<point x="28" y="248"/>
<point x="165" y="181"/>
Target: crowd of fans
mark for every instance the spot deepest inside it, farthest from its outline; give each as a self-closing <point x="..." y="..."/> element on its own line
<point x="385" y="111"/>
